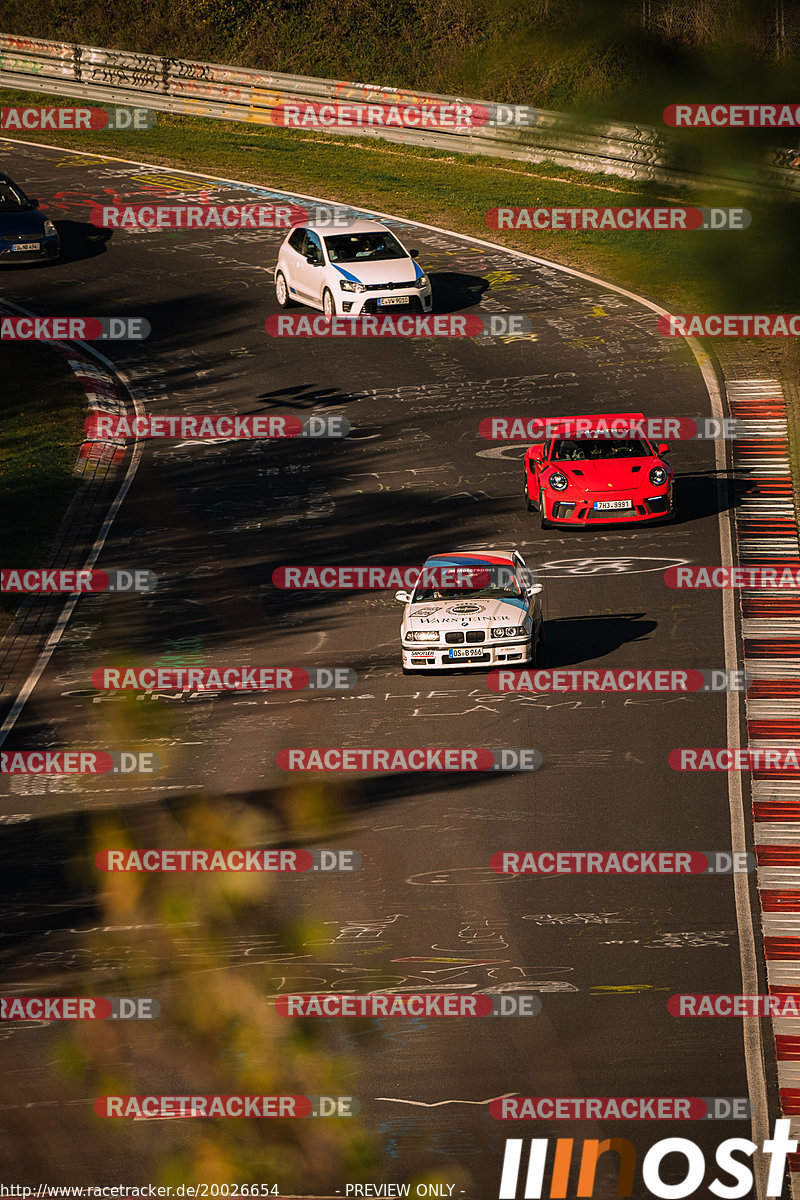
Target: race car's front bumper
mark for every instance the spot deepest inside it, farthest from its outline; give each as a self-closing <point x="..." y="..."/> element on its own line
<point x="421" y="657"/>
<point x="401" y="300"/>
<point x="571" y="510"/>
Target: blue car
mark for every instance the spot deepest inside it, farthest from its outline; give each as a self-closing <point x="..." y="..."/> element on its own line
<point x="25" y="235"/>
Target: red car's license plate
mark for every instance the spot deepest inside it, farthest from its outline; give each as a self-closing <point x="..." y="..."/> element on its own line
<point x="606" y="504"/>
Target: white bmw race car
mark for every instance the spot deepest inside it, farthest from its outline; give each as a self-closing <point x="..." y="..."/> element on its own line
<point x="355" y="268"/>
<point x="493" y="616"/>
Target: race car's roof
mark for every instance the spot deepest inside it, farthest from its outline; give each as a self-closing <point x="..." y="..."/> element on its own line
<point x="566" y="426"/>
<point x="348" y="227"/>
<point x="470" y="558"/>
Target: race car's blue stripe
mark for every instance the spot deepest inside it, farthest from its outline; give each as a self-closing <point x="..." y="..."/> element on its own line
<point x="418" y="269"/>
<point x="347" y="275"/>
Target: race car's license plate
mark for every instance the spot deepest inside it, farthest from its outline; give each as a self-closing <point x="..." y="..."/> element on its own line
<point x="606" y="504"/>
<point x="387" y="301"/>
<point x="468" y="653"/>
<point x="25" y="246"/>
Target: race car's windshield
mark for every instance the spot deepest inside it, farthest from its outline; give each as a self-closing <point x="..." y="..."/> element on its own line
<point x="507" y="590"/>
<point x="363" y="247"/>
<point x="11" y="198"/>
<point x="585" y="450"/>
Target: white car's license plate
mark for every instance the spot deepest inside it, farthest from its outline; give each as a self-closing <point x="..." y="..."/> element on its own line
<point x="387" y="301"/>
<point x="606" y="504"/>
<point x="25" y="246"/>
<point x="476" y="652"/>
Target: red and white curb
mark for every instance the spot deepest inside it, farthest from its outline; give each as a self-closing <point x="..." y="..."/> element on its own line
<point x="766" y="529"/>
<point x="102" y="395"/>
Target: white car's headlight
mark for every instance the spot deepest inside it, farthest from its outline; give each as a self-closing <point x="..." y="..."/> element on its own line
<point x="557" y="481"/>
<point x="422" y="635"/>
<point x="422" y="281"/>
<point x="351" y="285"/>
<point x="499" y="631"/>
<point x="658" y="476"/>
<point x="50" y="229"/>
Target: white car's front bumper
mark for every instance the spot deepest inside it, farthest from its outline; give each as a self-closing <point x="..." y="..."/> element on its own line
<point x="366" y="302"/>
<point x="435" y="658"/>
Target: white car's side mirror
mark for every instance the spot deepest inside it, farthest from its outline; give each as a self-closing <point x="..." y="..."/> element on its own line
<point x="535" y="589"/>
<point x="405" y="597"/>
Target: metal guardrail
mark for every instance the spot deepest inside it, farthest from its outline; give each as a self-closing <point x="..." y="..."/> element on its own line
<point x="238" y="94"/>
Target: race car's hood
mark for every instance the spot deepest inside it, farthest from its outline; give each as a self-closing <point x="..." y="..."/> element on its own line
<point x="387" y="270"/>
<point x="22" y="224"/>
<point x="610" y="475"/>
<point x="464" y="614"/>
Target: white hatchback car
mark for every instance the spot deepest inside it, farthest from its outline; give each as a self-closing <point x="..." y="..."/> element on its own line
<point x="355" y="268"/>
<point x="498" y="621"/>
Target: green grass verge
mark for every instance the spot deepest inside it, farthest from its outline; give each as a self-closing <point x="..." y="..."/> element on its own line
<point x="43" y="411"/>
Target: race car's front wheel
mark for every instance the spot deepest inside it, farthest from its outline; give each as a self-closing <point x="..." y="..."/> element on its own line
<point x="543" y="522"/>
<point x="528" y="502"/>
<point x="282" y="292"/>
<point x="328" y="303"/>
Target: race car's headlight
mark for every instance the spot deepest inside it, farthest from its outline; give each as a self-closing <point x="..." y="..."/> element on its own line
<point x="422" y="635"/>
<point x="658" y="476"/>
<point x="422" y="281"/>
<point x="50" y="229"/>
<point x="557" y="481"/>
<point x="351" y="285"/>
<point x="508" y="631"/>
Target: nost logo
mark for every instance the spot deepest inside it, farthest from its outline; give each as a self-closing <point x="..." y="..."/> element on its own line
<point x="692" y="1163"/>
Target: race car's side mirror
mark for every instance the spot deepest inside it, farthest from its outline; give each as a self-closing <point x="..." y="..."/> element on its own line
<point x="664" y="448"/>
<point x="537" y="451"/>
<point x="404" y="597"/>
<point x="414" y="253"/>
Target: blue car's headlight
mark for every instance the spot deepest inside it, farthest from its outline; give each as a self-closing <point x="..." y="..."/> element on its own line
<point x="351" y="285"/>
<point x="50" y="229"/>
<point x="557" y="481"/>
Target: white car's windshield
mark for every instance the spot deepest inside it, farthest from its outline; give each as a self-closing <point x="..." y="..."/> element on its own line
<point x="584" y="450"/>
<point x="363" y="247"/>
<point x="493" y="591"/>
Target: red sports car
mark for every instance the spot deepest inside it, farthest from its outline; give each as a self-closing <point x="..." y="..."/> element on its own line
<point x="594" y="475"/>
